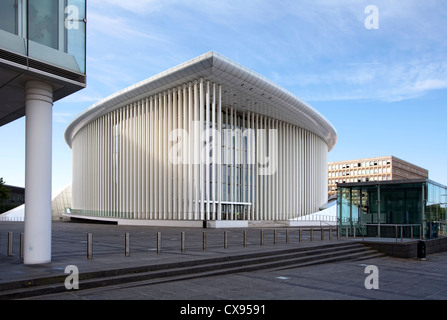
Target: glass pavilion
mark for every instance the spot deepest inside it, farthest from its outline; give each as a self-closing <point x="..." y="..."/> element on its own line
<point x="393" y="209"/>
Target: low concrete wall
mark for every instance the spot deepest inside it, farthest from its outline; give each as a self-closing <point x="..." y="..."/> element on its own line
<point x="140" y="222"/>
<point x="208" y="224"/>
<point x="408" y="249"/>
<point x="227" y="224"/>
<point x="161" y="223"/>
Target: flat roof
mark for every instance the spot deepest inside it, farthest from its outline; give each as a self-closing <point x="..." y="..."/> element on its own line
<point x="394" y="158"/>
<point x="242" y="89"/>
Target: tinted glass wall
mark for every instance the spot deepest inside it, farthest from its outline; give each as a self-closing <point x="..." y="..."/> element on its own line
<point x="52" y="31"/>
<point x="384" y="209"/>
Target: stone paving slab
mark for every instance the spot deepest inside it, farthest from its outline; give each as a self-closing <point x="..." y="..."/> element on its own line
<point x="399" y="279"/>
<point x="69" y="246"/>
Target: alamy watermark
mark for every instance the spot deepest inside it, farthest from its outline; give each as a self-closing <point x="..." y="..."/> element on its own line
<point x="72" y="280"/>
<point x="372" y="280"/>
<point x="72" y="19"/>
<point x="372" y="20"/>
<point x="249" y="147"/>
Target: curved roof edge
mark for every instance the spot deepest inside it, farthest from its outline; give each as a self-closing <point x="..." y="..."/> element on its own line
<point x="215" y="67"/>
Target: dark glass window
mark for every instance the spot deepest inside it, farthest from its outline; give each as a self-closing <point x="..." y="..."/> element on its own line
<point x="8" y="16"/>
<point x="43" y="22"/>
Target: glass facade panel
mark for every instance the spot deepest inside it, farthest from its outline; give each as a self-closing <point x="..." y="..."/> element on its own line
<point x="52" y="31"/>
<point x="8" y="16"/>
<point x="43" y="22"/>
<point x="435" y="211"/>
<point x="386" y="209"/>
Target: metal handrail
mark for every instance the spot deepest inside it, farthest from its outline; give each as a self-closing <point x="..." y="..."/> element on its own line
<point x="396" y="225"/>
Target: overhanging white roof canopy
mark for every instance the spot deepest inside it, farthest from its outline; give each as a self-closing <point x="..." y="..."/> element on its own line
<point x="242" y="88"/>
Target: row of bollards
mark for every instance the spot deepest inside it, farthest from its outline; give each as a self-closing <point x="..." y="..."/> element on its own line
<point x="204" y="240"/>
<point x="10" y="252"/>
<point x="182" y="240"/>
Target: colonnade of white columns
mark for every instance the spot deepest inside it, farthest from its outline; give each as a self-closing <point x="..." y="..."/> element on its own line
<point x="129" y="163"/>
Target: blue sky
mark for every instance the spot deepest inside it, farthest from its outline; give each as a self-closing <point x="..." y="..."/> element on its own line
<point x="384" y="90"/>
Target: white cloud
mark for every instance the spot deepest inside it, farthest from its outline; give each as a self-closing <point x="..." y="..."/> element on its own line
<point x="135" y="6"/>
<point x="320" y="49"/>
<point x="391" y="81"/>
<point x="62" y="117"/>
<point x="117" y="27"/>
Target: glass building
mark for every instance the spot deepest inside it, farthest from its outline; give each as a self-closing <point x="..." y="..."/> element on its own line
<point x="44" y="41"/>
<point x="393" y="208"/>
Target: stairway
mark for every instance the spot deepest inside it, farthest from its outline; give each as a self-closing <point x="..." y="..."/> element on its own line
<point x="151" y="274"/>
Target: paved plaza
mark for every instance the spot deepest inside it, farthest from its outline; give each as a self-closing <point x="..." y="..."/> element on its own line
<point x="397" y="279"/>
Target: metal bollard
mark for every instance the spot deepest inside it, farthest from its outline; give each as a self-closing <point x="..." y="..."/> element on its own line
<point x="183" y="242"/>
<point x="322" y="233"/>
<point x="311" y="234"/>
<point x="158" y="242"/>
<point x="204" y="241"/>
<point x="225" y="239"/>
<point x="355" y="232"/>
<point x="126" y="245"/>
<point x="89" y="246"/>
<point x="274" y="236"/>
<point x="347" y="233"/>
<point x="22" y="243"/>
<point x="245" y="238"/>
<point x="262" y="237"/>
<point x="287" y="236"/>
<point x="330" y="233"/>
<point x="299" y="236"/>
<point x="10" y="234"/>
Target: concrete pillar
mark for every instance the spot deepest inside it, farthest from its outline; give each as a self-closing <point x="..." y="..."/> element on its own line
<point x="37" y="239"/>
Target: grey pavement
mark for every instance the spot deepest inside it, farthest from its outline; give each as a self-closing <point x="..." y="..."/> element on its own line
<point x="398" y="279"/>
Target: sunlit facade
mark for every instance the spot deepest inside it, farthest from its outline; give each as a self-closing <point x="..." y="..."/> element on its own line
<point x="208" y="140"/>
<point x="372" y="169"/>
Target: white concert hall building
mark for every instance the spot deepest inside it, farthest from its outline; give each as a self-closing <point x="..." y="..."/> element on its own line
<point x="206" y="143"/>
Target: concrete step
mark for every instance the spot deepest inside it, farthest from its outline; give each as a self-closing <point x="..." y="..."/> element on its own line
<point x="274" y="259"/>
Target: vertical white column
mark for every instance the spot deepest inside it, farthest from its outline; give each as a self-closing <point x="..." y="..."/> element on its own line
<point x="196" y="152"/>
<point x="152" y="172"/>
<point x="172" y="114"/>
<point x="148" y="156"/>
<point x="256" y="171"/>
<point x="178" y="124"/>
<point x="254" y="165"/>
<point x="168" y="179"/>
<point x="205" y="154"/>
<point x="191" y="151"/>
<point x="281" y="168"/>
<point x="200" y="141"/>
<point x="39" y="102"/>
<point x="213" y="181"/>
<point x="219" y="153"/>
<point x="249" y="165"/>
<point x="232" y="162"/>
<point x="166" y="194"/>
